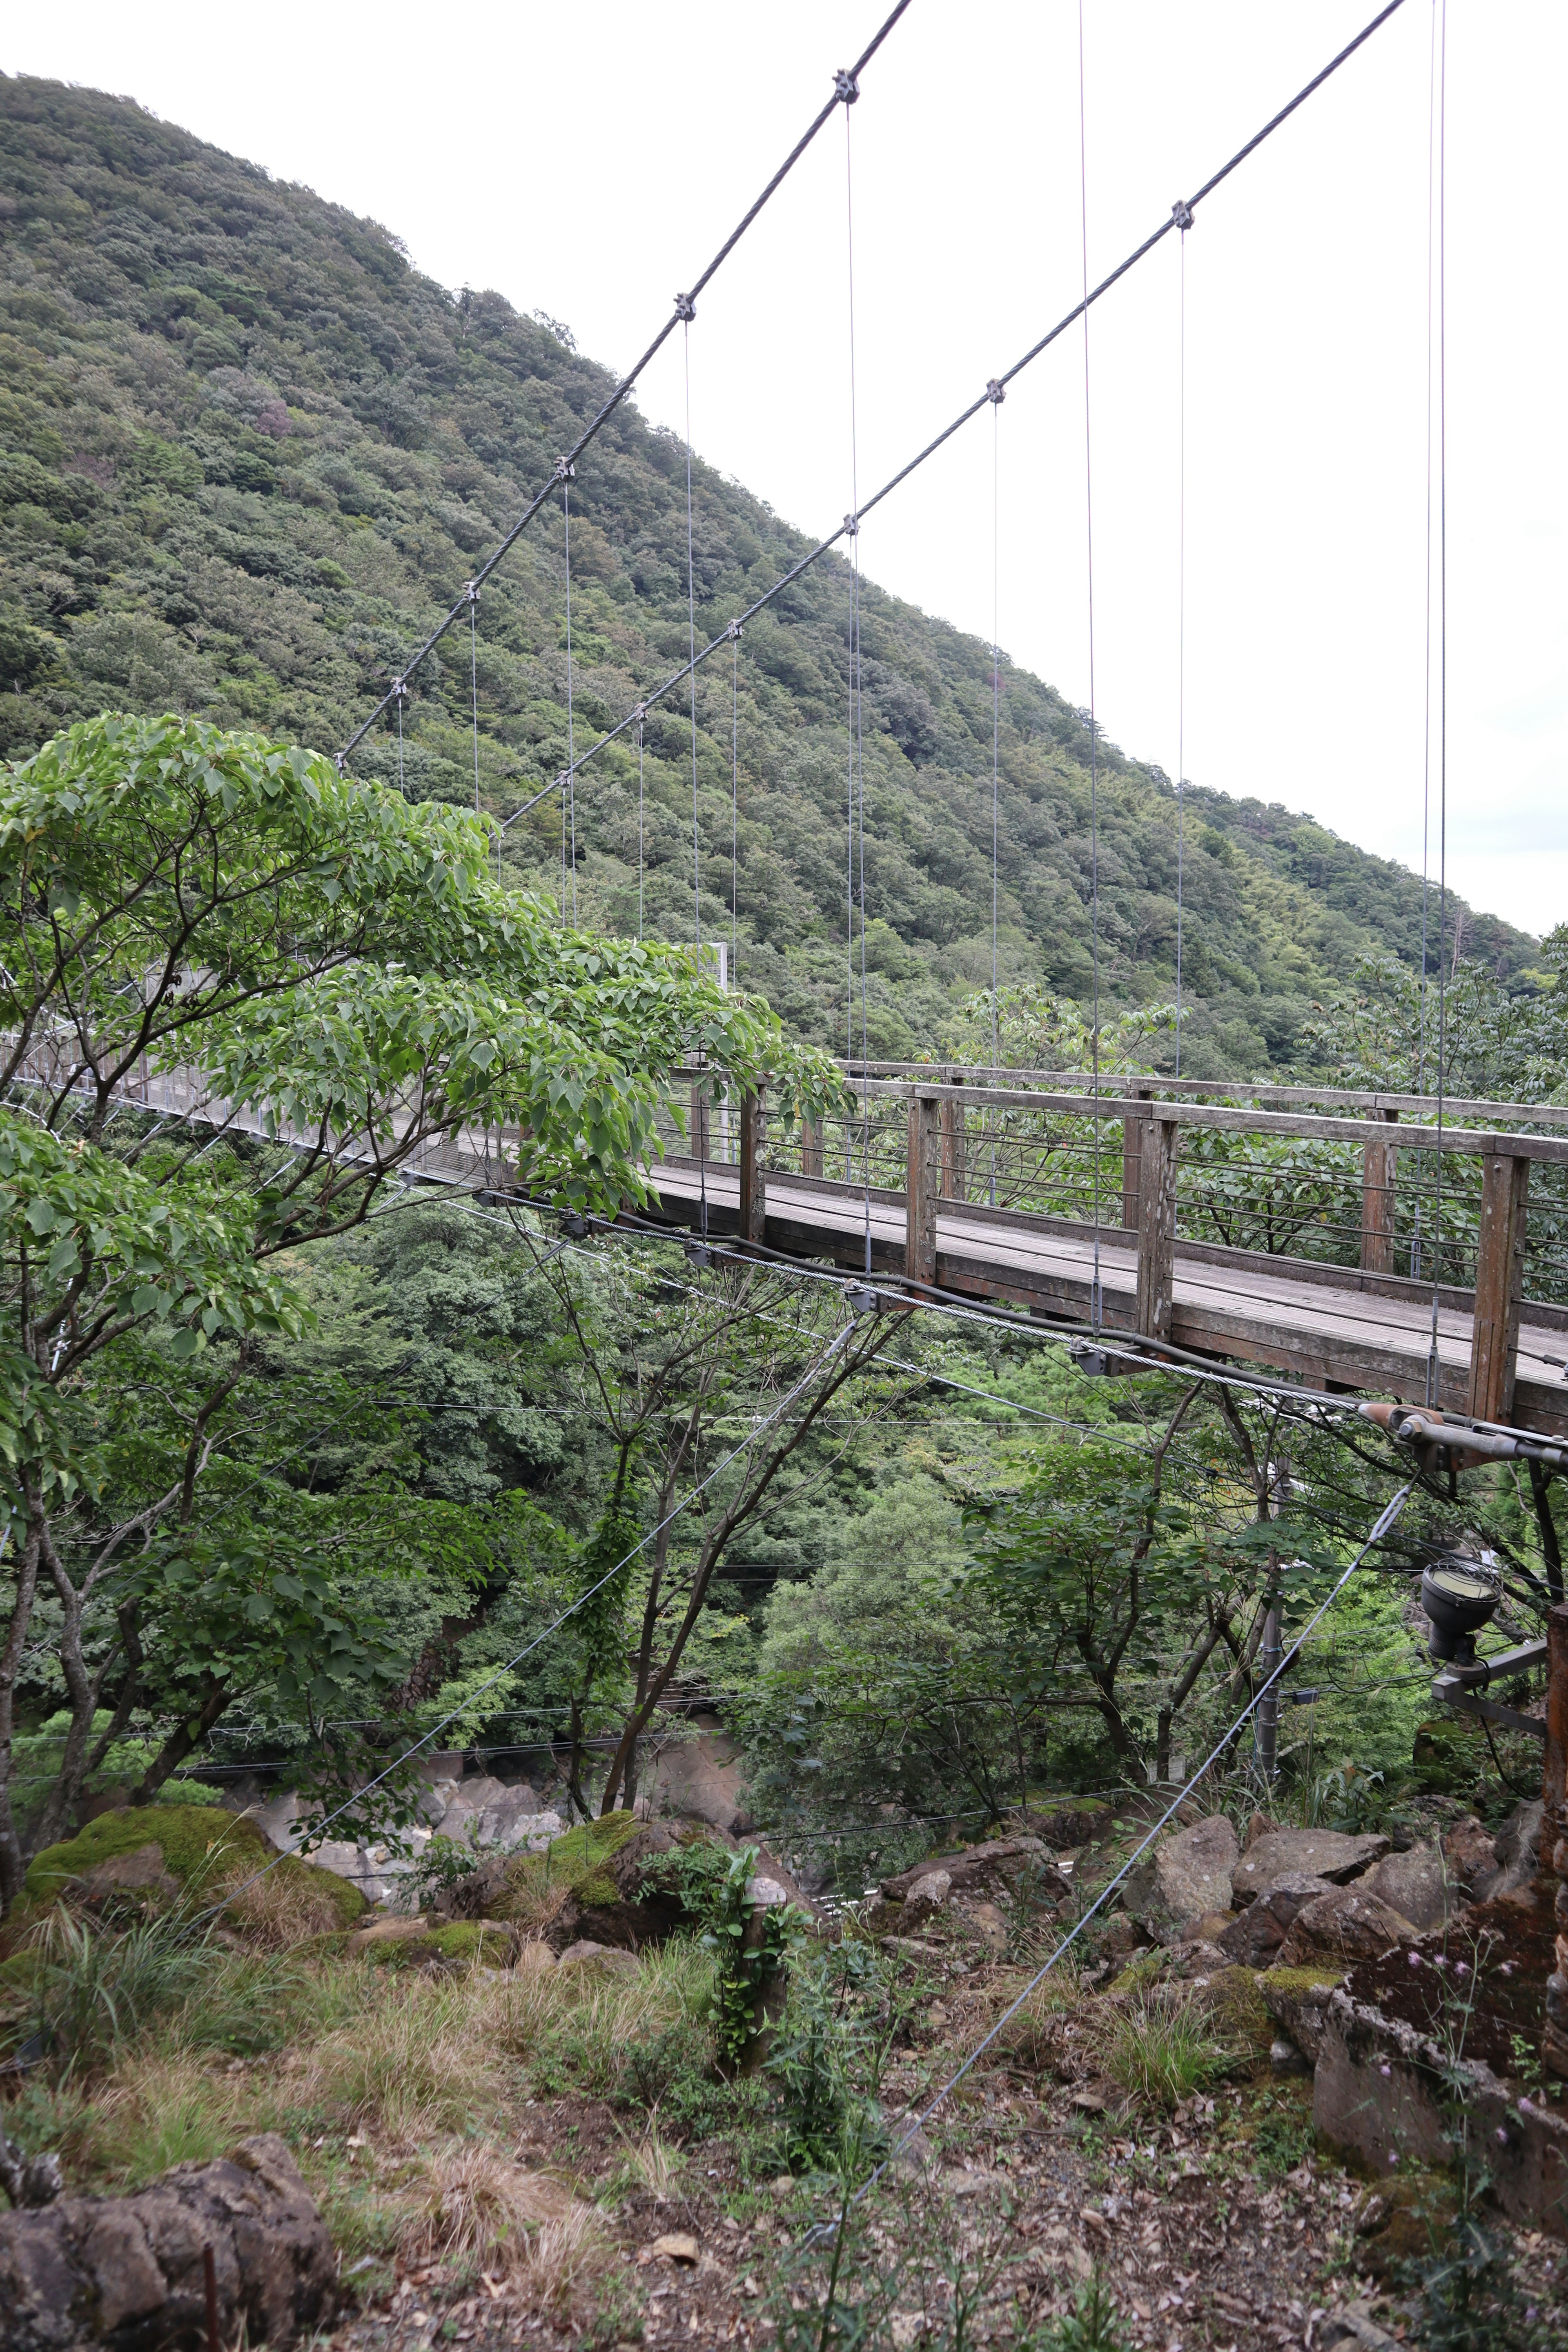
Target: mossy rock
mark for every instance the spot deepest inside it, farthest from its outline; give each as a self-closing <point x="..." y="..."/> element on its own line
<point x="202" y="1852"/>
<point x="463" y="1944"/>
<point x="1238" y="2009"/>
<point x="1144" y="1971"/>
<point x="575" y="1865"/>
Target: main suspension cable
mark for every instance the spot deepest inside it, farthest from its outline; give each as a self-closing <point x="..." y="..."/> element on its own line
<point x="1385" y="1522"/>
<point x="760" y="1429"/>
<point x="1096" y="293"/>
<point x="1183" y="224"/>
<point x="845" y="82"/>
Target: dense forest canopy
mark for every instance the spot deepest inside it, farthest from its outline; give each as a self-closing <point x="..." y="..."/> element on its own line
<point x="250" y="455"/>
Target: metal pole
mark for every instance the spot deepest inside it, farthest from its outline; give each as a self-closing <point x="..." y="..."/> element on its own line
<point x="1268" y="1704"/>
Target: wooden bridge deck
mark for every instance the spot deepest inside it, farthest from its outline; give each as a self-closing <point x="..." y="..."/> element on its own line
<point x="1334" y="1328"/>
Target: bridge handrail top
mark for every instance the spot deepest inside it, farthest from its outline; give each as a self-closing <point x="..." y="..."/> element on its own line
<point x="1227" y="1090"/>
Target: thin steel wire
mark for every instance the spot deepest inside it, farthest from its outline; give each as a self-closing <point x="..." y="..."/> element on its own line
<point x="735" y="813"/>
<point x="1385" y="1522"/>
<point x="996" y="726"/>
<point x="856" y="699"/>
<point x="1096" y="1309"/>
<point x="570" y="713"/>
<point x="640" y="824"/>
<point x="691" y="648"/>
<point x="1427" y="612"/>
<point x="814" y="555"/>
<point x="1181" y="630"/>
<point x="818" y="1366"/>
<point x="474" y="682"/>
<point x="1442" y="5"/>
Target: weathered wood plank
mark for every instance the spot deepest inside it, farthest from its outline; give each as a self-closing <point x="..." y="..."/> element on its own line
<point x="1500" y="1287"/>
<point x="753" y="1204"/>
<point x="1377" y="1173"/>
<point x="923" y="1188"/>
<point x="1156" y="1226"/>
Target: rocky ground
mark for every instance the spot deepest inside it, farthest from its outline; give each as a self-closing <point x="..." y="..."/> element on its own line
<point x="515" y="2133"/>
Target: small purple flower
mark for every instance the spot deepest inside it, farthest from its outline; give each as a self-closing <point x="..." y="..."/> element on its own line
<point x="1414" y="1959"/>
<point x="1461" y="1967"/>
<point x="1505" y="1968"/>
<point x="1525" y="2107"/>
<point x="1386" y="2072"/>
<point x="1439" y="1959"/>
<point x="1393" y="2157"/>
<point x="1502" y="2135"/>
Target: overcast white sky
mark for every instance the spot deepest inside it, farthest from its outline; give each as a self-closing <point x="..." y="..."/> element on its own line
<point x="587" y="161"/>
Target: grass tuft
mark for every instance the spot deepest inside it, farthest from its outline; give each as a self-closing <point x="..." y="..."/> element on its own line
<point x="1164" y="2046"/>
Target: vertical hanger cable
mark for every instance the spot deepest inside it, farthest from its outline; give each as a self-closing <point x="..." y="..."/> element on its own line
<point x="1095" y="1302"/>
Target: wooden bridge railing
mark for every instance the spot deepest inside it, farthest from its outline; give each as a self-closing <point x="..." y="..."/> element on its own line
<point x="915" y="1143"/>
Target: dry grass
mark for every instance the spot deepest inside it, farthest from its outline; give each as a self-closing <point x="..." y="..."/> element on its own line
<point x="282" y="1909"/>
<point x="474" y="2206"/>
<point x="651" y="2163"/>
<point x="566" y="2255"/>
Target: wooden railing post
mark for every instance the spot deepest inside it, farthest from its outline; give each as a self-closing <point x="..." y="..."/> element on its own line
<point x="1132" y="1131"/>
<point x="1377" y="1203"/>
<point x="810" y="1147"/>
<point x="1499" y="1286"/>
<point x="955" y="1154"/>
<point x="1157" y="1226"/>
<point x="700" y="1112"/>
<point x="753" y="1179"/>
<point x="922" y="1183"/>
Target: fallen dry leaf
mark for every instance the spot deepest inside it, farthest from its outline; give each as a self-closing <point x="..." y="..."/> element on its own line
<point x="678" y="2245"/>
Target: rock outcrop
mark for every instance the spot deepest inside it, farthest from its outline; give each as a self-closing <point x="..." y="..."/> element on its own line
<point x="1321" y="1853"/>
<point x="1184" y="1876"/>
<point x="1253" y="1940"/>
<point x="1342" y="1927"/>
<point x="127" y="2271"/>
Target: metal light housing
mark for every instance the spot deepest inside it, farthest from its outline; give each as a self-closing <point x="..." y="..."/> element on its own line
<point x="1459" y="1598"/>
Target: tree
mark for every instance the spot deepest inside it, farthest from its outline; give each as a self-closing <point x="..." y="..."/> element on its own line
<point x="312" y="953"/>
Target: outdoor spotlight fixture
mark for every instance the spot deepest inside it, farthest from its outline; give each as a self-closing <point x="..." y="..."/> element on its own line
<point x="1459" y="1600"/>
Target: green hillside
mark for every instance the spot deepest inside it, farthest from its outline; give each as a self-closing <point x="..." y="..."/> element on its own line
<point x="250" y="455"/>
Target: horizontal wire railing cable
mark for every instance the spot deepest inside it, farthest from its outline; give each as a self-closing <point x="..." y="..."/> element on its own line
<point x="851" y="523"/>
<point x="844" y="90"/>
<point x="1384" y="1521"/>
<point x="811" y="1372"/>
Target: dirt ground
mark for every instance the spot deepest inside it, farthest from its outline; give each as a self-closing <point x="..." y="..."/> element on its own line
<point x="1222" y="2224"/>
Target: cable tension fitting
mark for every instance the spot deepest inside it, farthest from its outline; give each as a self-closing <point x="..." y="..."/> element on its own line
<point x="685" y="307"/>
<point x="564" y="470"/>
<point x="470" y="592"/>
<point x="845" y="86"/>
<point x="996" y="392"/>
<point x="852" y="526"/>
<point x="733" y="631"/>
<point x="1182" y="214"/>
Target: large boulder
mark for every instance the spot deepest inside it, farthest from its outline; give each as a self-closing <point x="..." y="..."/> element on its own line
<point x="996" y="1858"/>
<point x="1417" y="1883"/>
<point x="127" y="2271"/>
<point x="1253" y="1940"/>
<point x="1184" y="1876"/>
<point x="1342" y="1927"/>
<point x="152" y="1857"/>
<point x="1470" y="1853"/>
<point x="1320" y="1854"/>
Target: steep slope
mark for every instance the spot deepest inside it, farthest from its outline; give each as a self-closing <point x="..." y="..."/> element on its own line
<point x="250" y="455"/>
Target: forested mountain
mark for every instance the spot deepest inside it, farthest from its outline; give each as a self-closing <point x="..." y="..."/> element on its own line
<point x="249" y="454"/>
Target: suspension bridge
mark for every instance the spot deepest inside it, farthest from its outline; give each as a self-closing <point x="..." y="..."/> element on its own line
<point x="1352" y="1242"/>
